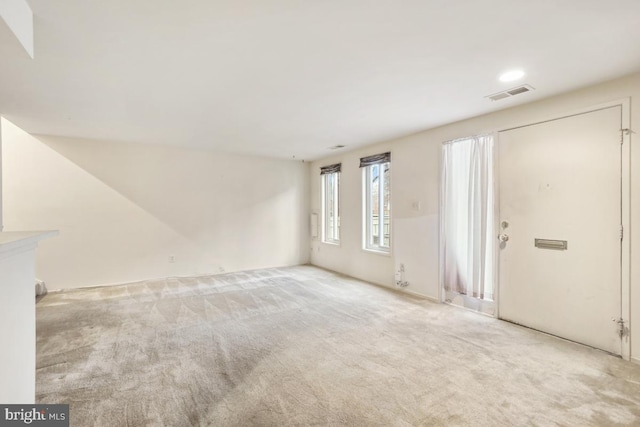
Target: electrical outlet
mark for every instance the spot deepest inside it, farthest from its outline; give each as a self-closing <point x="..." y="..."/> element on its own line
<point x="172" y="258"/>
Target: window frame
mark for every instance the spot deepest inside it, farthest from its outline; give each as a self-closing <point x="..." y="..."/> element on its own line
<point x="367" y="212"/>
<point x="326" y="218"/>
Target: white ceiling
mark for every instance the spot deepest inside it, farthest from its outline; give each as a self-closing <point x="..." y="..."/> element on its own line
<point x="291" y="78"/>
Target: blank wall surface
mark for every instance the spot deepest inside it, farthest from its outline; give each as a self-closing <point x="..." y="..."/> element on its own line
<point x="129" y="212"/>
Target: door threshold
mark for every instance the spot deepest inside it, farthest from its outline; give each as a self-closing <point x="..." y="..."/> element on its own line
<point x="619" y="356"/>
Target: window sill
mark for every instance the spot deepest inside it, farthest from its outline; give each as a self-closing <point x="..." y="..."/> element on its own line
<point x="377" y="252"/>
<point x="330" y="243"/>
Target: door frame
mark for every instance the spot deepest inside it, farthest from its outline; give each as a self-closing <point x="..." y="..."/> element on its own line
<point x="625" y="199"/>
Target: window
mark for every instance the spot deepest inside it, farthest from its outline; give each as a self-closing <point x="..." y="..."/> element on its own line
<point x="467" y="218"/>
<point x="331" y="203"/>
<point x="377" y="202"/>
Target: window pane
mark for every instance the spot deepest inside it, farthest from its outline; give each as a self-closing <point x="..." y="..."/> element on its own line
<point x="336" y="207"/>
<point x="386" y="205"/>
<point x="377" y="206"/>
<point x="330" y="212"/>
<point x="329" y="207"/>
<point x="375" y="218"/>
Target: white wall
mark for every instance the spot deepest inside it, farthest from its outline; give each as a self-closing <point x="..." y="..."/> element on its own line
<point x="415" y="178"/>
<point x="1" y="210"/>
<point x="412" y="231"/>
<point x="123" y="210"/>
<point x="19" y="18"/>
<point x="18" y="317"/>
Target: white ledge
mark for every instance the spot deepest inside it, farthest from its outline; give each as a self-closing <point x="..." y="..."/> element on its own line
<point x="11" y="241"/>
<point x="18" y="314"/>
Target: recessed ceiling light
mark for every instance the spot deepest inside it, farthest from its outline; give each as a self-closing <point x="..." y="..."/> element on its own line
<point x="511" y="76"/>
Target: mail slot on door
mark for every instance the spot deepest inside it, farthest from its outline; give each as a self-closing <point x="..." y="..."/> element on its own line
<point x="560" y="245"/>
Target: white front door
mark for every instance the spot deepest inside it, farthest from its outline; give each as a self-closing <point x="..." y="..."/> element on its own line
<point x="560" y="183"/>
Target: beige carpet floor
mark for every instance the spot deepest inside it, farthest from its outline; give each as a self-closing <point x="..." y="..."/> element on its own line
<point x="304" y="346"/>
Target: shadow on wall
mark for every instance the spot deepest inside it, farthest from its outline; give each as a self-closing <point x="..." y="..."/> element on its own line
<point x="128" y="212"/>
<point x="199" y="194"/>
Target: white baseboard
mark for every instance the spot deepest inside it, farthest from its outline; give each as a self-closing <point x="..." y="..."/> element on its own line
<point x="418" y="294"/>
<point x="635" y="360"/>
<point x="152" y="279"/>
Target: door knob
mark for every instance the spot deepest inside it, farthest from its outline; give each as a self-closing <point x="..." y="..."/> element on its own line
<point x="503" y="237"/>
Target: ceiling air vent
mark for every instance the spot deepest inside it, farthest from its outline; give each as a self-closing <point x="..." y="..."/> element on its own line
<point x="510" y="92"/>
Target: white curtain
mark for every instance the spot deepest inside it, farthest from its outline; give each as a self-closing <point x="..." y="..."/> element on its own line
<point x="467" y="217"/>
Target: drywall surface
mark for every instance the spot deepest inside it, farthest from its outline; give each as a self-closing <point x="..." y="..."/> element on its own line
<point x="412" y="230"/>
<point x="19" y="18"/>
<point x="129" y="212"/>
<point x="1" y="210"/>
<point x="415" y="165"/>
<point x="18" y="319"/>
